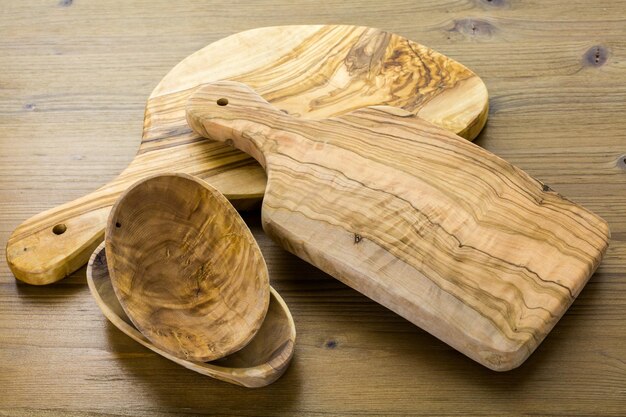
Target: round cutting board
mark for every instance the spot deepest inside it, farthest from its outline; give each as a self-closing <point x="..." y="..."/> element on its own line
<point x="306" y="71"/>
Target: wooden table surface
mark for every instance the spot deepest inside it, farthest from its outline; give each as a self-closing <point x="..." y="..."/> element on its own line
<point x="74" y="76"/>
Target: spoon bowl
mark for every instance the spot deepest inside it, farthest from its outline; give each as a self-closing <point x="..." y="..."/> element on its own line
<point x="259" y="363"/>
<point x="185" y="267"/>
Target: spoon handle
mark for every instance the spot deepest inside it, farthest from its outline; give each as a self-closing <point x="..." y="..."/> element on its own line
<point x="439" y="230"/>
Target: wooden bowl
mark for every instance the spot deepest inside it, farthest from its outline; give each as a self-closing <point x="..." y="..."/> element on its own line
<point x="259" y="363"/>
<point x="185" y="267"/>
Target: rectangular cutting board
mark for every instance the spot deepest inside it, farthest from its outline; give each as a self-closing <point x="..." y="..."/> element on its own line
<point x="439" y="230"/>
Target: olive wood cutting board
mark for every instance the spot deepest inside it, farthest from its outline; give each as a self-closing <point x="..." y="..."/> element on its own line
<point x="306" y="71"/>
<point x="437" y="229"/>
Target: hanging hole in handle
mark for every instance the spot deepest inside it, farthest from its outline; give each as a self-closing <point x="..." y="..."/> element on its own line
<point x="222" y="101"/>
<point x="118" y="225"/>
<point x="59" y="229"/>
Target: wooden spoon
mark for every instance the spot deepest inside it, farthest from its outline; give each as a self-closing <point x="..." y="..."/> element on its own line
<point x="312" y="71"/>
<point x="259" y="363"/>
<point x="186" y="268"/>
<point x="445" y="233"/>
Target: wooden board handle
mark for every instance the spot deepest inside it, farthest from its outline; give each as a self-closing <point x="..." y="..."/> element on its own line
<point x="441" y="231"/>
<point x="53" y="244"/>
<point x="56" y="242"/>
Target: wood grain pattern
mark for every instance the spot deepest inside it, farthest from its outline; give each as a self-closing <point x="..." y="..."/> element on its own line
<point x="258" y="364"/>
<point x="449" y="236"/>
<point x="308" y="71"/>
<point x="73" y="85"/>
<point x="186" y="268"/>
